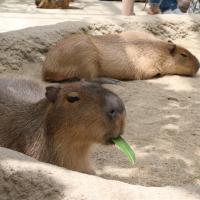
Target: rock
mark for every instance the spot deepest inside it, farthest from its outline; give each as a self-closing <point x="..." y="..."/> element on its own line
<point x="23" y="178"/>
<point x="29" y="45"/>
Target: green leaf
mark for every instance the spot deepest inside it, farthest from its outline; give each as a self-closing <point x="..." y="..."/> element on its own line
<point x="125" y="148"/>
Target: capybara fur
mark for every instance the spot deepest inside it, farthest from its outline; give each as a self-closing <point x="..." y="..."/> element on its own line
<point x="51" y="4"/>
<point x="125" y="56"/>
<point x="59" y="123"/>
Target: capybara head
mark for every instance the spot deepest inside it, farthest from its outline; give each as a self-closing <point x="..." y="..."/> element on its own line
<point x="84" y="113"/>
<point x="180" y="61"/>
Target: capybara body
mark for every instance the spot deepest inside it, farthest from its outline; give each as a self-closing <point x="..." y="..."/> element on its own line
<point x="126" y="56"/>
<point x="21" y="88"/>
<point x="51" y="4"/>
<point x="60" y="126"/>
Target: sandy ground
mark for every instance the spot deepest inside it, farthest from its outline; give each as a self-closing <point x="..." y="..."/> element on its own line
<point x="162" y="114"/>
<point x="18" y="14"/>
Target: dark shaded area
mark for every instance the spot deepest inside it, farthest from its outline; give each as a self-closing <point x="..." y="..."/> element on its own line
<point x="29" y="185"/>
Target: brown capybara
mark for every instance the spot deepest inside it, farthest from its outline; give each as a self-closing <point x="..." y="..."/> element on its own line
<point x="52" y="4"/>
<point x="125" y="56"/>
<point x="60" y="126"/>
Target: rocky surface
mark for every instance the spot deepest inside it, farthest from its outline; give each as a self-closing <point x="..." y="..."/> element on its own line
<point x="23" y="178"/>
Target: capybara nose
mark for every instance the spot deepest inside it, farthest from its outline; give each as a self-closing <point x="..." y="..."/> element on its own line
<point x="114" y="106"/>
<point x="197" y="67"/>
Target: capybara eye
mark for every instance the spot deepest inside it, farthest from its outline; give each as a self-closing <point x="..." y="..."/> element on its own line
<point x="184" y="55"/>
<point x="73" y="97"/>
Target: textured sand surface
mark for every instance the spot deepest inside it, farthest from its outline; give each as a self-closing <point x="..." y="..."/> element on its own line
<point x="23" y="178"/>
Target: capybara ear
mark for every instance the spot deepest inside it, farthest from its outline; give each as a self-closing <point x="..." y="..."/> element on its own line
<point x="52" y="93"/>
<point x="172" y="48"/>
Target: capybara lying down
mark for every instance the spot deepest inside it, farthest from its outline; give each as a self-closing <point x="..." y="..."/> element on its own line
<point x="60" y="125"/>
<point x="125" y="56"/>
<point x="52" y="4"/>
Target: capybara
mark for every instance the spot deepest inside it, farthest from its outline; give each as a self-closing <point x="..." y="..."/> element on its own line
<point x="52" y="4"/>
<point x="125" y="56"/>
<point x="59" y="123"/>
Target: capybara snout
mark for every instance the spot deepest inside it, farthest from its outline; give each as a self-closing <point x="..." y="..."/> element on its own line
<point x="88" y="111"/>
<point x="114" y="106"/>
<point x="115" y="111"/>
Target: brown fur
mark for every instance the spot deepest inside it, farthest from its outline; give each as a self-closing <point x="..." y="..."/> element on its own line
<point x="51" y="4"/>
<point x="125" y="56"/>
<point x="61" y="127"/>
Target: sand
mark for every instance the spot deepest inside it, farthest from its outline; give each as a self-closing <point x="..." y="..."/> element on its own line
<point x="23" y="178"/>
<point x="162" y="114"/>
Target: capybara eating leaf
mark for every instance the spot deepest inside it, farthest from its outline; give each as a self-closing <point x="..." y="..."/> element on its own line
<point x="59" y="123"/>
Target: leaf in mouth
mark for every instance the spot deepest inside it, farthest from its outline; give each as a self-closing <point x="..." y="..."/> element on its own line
<point x="125" y="148"/>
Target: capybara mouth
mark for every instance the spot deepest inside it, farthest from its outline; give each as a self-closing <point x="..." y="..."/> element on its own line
<point x="110" y="140"/>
